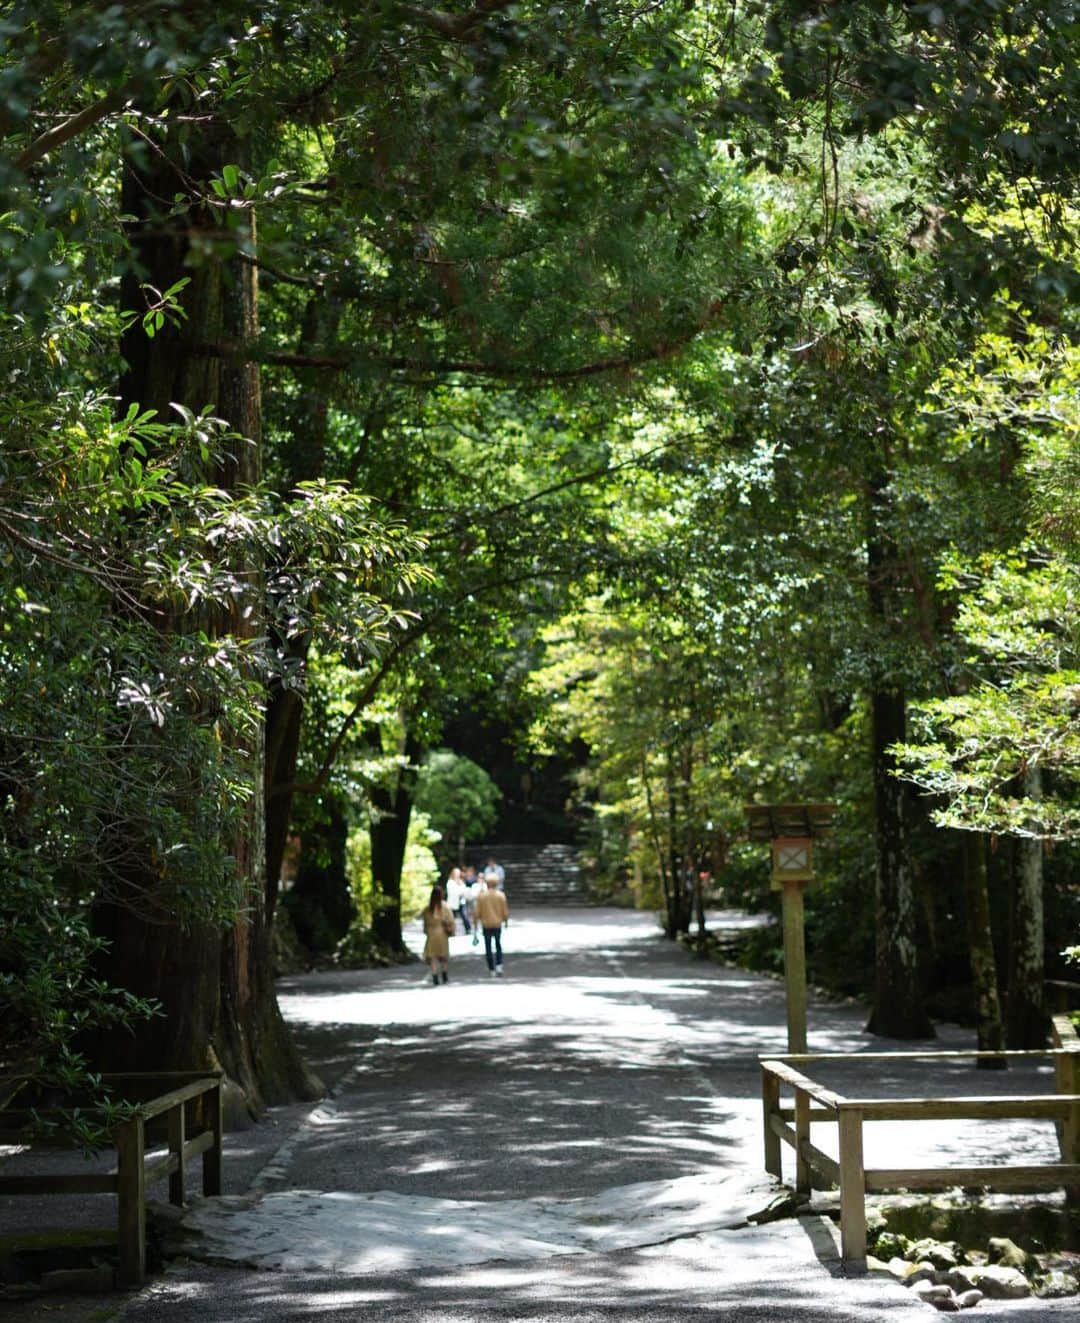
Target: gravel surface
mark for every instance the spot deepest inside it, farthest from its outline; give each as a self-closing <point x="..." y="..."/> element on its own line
<point x="606" y="1059"/>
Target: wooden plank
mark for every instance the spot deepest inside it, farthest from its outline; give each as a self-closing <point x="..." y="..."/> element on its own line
<point x="794" y="965"/>
<point x="1047" y="1177"/>
<point x="783" y="1132"/>
<point x="131" y="1192"/>
<point x="770" y="1099"/>
<point x="817" y="1114"/>
<point x="1067" y="1076"/>
<point x="1027" y="1106"/>
<point x="804" y="1173"/>
<point x="175" y="1120"/>
<point x="211" y="1172"/>
<point x="853" y="1186"/>
<point x="199" y="1143"/>
<point x="821" y="1162"/>
<point x="155" y="1106"/>
<point x="957" y="1054"/>
<point x="182" y="1076"/>
<point x="161" y="1164"/>
<point x="74" y="1183"/>
<point x="795" y="1080"/>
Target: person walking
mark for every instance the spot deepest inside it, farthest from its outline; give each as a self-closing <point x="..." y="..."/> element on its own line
<point x="457" y="894"/>
<point x="493" y="866"/>
<point x="473" y="888"/>
<point x="439" y="924"/>
<point x="492" y="912"/>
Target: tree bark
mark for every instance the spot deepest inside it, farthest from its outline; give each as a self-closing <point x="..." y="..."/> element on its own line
<point x="304" y="461"/>
<point x="389" y="836"/>
<point x="981" y="950"/>
<point x="215" y="986"/>
<point x="1025" y="1025"/>
<point x="899" y="1009"/>
<point x="319" y="903"/>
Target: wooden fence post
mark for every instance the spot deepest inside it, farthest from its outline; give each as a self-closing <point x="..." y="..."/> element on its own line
<point x="131" y="1192"/>
<point x="175" y="1121"/>
<point x="852" y="1190"/>
<point x="804" y="1176"/>
<point x="770" y="1101"/>
<point x="1067" y="1077"/>
<point x="211" y="1170"/>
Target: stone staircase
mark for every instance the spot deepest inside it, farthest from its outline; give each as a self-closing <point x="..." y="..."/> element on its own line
<point x="535" y="874"/>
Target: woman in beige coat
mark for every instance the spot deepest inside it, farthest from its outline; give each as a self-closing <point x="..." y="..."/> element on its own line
<point x="439" y="923"/>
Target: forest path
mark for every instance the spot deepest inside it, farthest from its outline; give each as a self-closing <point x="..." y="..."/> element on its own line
<point x="578" y="1139"/>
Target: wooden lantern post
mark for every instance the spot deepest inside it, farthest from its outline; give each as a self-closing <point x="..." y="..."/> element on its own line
<point x="791" y="829"/>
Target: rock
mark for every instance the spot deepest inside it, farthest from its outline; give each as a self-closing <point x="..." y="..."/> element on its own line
<point x="78" y="1279"/>
<point x="164" y="1216"/>
<point x="877" y="1265"/>
<point x="899" y="1268"/>
<point x="960" y="1279"/>
<point x="940" y="1253"/>
<point x="969" y="1299"/>
<point x="1054" y="1284"/>
<point x="995" y="1281"/>
<point x="891" y="1246"/>
<point x="1000" y="1249"/>
<point x="920" y="1272"/>
<point x="936" y="1294"/>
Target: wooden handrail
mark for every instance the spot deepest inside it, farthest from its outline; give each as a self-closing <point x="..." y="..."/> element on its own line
<point x="134" y="1168"/>
<point x="167" y="1101"/>
<point x="850" y="1114"/>
<point x="1050" y="1106"/>
<point x="796" y="1080"/>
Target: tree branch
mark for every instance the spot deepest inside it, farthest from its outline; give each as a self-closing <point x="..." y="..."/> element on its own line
<point x="468" y="366"/>
<point x="456" y="27"/>
<point x="71" y="128"/>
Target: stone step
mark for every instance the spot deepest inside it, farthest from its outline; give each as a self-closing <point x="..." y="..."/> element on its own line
<point x="536" y="874"/>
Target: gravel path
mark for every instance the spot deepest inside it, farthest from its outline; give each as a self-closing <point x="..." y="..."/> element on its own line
<point x="577" y="1140"/>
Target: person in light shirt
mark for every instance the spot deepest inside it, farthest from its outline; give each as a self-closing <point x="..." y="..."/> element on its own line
<point x="492" y="912"/>
<point x="456" y="896"/>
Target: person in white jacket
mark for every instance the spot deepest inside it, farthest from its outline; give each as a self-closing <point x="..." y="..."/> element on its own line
<point x="457" y="895"/>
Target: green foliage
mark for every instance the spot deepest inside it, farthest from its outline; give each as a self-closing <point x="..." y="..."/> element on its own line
<point x="131" y="718"/>
<point x="457" y="797"/>
<point x="419" y="873"/>
<point x="1017" y="615"/>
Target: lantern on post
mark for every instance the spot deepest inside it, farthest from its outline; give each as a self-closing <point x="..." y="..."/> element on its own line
<point x="791" y="829"/>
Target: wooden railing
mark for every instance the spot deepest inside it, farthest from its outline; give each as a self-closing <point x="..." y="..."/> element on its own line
<point x="134" y="1170"/>
<point x="813" y="1103"/>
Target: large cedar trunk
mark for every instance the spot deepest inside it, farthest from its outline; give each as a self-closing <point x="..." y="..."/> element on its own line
<point x="215" y="987"/>
<point x="1025" y="1025"/>
<point x="981" y="949"/>
<point x="898" y="1010"/>
<point x="304" y="461"/>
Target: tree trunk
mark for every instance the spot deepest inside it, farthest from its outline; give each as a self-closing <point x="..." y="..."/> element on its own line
<point x="1025" y="1014"/>
<point x="215" y="987"/>
<point x="981" y="949"/>
<point x="319" y="903"/>
<point x="898" y="1010"/>
<point x="389" y="836"/>
<point x="304" y="461"/>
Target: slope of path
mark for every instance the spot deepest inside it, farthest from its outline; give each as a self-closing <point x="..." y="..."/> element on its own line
<point x="602" y="1097"/>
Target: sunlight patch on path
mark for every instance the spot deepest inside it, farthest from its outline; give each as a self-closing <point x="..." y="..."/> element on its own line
<point x="309" y="1230"/>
